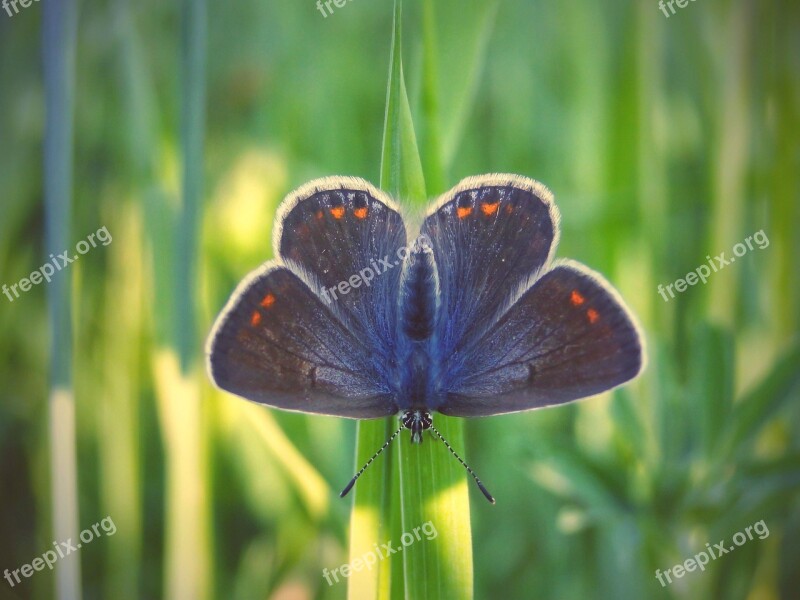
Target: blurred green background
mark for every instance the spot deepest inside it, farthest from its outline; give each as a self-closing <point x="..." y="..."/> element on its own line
<point x="664" y="140"/>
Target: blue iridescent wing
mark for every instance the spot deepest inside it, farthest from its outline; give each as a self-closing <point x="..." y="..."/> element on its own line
<point x="490" y="235"/>
<point x="567" y="337"/>
<point x="277" y="343"/>
<point x="343" y="237"/>
<point x="301" y="333"/>
<point x="515" y="332"/>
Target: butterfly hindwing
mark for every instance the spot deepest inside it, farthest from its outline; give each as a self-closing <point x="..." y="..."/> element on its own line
<point x="277" y="343"/>
<point x="568" y="336"/>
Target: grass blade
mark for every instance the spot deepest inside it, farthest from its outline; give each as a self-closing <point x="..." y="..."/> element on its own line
<point x="401" y="176"/>
<point x="454" y="128"/>
<point x="434" y="489"/>
<point x="59" y="33"/>
<point x="370" y="520"/>
<point x="753" y="411"/>
<point x="401" y="169"/>
<point x="188" y="563"/>
<point x="431" y="140"/>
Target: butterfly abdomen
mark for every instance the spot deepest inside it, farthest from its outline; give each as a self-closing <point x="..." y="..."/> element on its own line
<point x="419" y="291"/>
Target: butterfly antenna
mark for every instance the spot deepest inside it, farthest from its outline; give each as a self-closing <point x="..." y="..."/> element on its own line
<point x="465" y="465"/>
<point x="350" y="485"/>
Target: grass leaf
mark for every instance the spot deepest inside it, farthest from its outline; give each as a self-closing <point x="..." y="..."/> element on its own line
<point x="59" y="41"/>
<point x="401" y="169"/>
<point x="454" y="127"/>
<point x="753" y="411"/>
<point x="369" y="523"/>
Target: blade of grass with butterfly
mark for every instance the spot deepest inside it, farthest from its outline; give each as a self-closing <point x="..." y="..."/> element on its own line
<point x="432" y="485"/>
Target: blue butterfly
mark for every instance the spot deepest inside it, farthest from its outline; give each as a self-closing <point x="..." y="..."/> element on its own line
<point x="471" y="317"/>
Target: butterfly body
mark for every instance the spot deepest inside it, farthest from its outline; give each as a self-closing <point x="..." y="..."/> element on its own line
<point x="416" y="386"/>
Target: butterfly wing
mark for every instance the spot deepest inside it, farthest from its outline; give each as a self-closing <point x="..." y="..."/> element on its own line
<point x="568" y="336"/>
<point x="343" y="237"/>
<point x="293" y="336"/>
<point x="490" y="235"/>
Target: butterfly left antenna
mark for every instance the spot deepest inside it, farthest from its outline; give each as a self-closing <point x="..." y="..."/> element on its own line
<point x="369" y="462"/>
<point x="465" y="465"/>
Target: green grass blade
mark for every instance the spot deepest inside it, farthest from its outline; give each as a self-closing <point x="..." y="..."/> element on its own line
<point x="189" y="568"/>
<point x="401" y="169"/>
<point x="434" y="493"/>
<point x="369" y="523"/>
<point x="753" y="411"/>
<point x="433" y="486"/>
<point x="59" y="34"/>
<point x="192" y="146"/>
<point x="454" y="127"/>
<point x="711" y="377"/>
<point x="431" y="140"/>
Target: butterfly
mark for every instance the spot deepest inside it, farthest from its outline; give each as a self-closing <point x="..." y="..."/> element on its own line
<point x="470" y="316"/>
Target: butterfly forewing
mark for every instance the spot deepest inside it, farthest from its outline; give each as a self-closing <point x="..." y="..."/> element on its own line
<point x="490" y="235"/>
<point x="344" y="236"/>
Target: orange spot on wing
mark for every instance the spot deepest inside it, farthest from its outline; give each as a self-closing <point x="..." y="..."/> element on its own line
<point x="576" y="298"/>
<point x="360" y="213"/>
<point x="490" y="208"/>
<point x="268" y="301"/>
<point x="255" y="318"/>
<point x="593" y="315"/>
<point x="464" y="212"/>
<point x="320" y="214"/>
<point x="509" y="209"/>
<point x="337" y="212"/>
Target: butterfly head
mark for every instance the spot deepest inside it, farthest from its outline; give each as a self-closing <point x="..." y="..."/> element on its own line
<point x="417" y="421"/>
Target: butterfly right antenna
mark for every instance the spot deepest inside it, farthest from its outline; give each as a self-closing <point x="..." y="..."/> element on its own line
<point x="485" y="492"/>
<point x="350" y="485"/>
